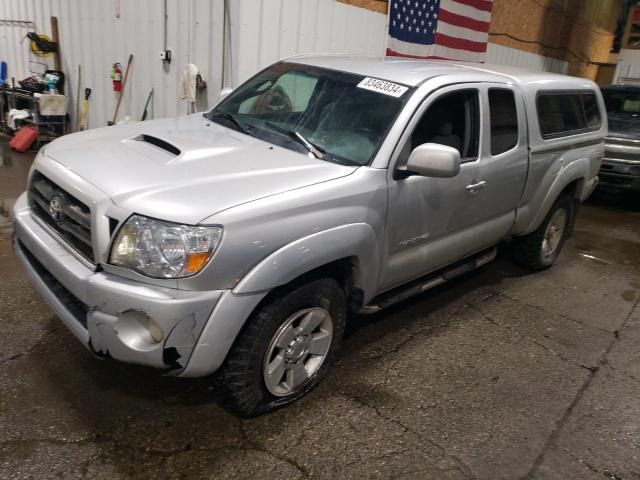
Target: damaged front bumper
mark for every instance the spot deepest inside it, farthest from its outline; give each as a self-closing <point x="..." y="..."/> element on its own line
<point x="113" y="316"/>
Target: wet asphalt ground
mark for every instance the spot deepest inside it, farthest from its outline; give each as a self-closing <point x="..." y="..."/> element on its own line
<point x="501" y="374"/>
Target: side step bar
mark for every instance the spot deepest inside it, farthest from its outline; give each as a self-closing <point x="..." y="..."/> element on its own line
<point x="403" y="292"/>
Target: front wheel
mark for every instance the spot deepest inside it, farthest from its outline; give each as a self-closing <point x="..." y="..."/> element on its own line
<point x="540" y="249"/>
<point x="285" y="349"/>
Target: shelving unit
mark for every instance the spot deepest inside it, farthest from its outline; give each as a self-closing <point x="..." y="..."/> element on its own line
<point x="48" y="127"/>
<point x="631" y="37"/>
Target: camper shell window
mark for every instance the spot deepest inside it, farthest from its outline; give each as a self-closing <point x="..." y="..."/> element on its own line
<point x="562" y="113"/>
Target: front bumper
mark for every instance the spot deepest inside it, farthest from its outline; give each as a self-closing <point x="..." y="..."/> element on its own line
<point x="620" y="167"/>
<point x="107" y="313"/>
<point x="620" y="175"/>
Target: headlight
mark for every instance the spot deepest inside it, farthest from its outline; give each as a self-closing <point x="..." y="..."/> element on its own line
<point x="163" y="249"/>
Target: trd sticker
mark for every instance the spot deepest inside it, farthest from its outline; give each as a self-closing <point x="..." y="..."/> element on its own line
<point x="382" y="86"/>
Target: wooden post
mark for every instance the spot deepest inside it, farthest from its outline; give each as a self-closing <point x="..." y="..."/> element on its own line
<point x="57" y="63"/>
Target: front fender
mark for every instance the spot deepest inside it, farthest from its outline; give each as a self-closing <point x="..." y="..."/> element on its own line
<point x="308" y="253"/>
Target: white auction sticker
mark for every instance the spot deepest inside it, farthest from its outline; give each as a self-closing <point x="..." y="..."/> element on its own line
<point x="382" y="86"/>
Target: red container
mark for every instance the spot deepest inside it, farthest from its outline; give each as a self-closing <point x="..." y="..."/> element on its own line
<point x="23" y="139"/>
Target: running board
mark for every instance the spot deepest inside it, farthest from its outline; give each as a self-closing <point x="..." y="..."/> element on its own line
<point x="403" y="292"/>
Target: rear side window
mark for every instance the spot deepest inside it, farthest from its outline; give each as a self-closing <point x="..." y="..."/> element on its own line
<point x="504" y="120"/>
<point x="561" y="113"/>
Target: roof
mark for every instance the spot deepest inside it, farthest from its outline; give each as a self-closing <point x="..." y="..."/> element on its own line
<point x="412" y="72"/>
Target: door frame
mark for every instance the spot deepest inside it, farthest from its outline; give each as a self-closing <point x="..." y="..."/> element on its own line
<point x="464" y="236"/>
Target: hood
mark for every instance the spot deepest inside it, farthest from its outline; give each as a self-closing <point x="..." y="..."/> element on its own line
<point x="185" y="169"/>
<point x="624" y="126"/>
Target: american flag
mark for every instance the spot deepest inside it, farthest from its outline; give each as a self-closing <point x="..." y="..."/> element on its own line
<point x="445" y="29"/>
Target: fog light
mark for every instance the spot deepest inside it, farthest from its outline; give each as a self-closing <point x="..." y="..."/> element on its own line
<point x="154" y="330"/>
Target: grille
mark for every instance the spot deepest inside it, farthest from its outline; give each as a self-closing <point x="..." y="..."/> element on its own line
<point x="622" y="141"/>
<point x="78" y="309"/>
<point x="628" y="156"/>
<point x="63" y="212"/>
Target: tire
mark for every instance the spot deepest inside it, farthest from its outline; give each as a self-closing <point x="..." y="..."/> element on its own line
<point x="279" y="338"/>
<point x="540" y="249"/>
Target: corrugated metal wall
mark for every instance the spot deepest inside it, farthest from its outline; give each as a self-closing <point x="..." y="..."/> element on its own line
<point x="91" y="35"/>
<point x="268" y="30"/>
<point x="272" y="29"/>
<point x="501" y="55"/>
<point x="261" y="32"/>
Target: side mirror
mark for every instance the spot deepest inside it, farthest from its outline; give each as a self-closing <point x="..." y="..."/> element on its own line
<point x="432" y="160"/>
<point x="224" y="93"/>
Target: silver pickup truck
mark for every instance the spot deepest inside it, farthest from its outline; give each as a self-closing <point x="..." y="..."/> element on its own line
<point x="238" y="240"/>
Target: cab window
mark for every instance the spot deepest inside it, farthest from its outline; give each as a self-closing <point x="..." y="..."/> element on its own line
<point x="451" y="120"/>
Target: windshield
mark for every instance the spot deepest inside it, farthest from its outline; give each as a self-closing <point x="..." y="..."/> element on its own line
<point x="622" y="102"/>
<point x="332" y="115"/>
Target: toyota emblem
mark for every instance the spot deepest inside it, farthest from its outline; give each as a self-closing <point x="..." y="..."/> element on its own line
<point x="55" y="208"/>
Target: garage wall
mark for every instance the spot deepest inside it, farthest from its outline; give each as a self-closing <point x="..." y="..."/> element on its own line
<point x="91" y="35"/>
<point x="579" y="32"/>
<point x="269" y="30"/>
<point x="261" y="32"/>
<point x="628" y="65"/>
<point x="502" y="55"/>
<point x="272" y="29"/>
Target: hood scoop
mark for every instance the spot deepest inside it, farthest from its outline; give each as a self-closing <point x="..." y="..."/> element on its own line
<point x="159" y="143"/>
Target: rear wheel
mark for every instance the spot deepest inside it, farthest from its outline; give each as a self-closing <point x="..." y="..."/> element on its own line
<point x="540" y="249"/>
<point x="285" y="349"/>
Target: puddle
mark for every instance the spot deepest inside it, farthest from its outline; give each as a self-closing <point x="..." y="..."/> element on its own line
<point x="608" y="236"/>
<point x="593" y="258"/>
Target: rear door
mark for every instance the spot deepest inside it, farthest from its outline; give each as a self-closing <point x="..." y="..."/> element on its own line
<point x="504" y="159"/>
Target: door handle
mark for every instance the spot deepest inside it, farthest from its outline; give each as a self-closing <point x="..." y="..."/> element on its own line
<point x="475" y="187"/>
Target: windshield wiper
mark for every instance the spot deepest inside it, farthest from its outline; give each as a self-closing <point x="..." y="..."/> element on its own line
<point x="233" y="119"/>
<point x="316" y="150"/>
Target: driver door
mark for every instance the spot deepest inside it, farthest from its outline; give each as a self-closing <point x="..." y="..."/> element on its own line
<point x="430" y="223"/>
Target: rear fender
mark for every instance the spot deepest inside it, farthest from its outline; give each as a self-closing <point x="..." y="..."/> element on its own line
<point x="530" y="218"/>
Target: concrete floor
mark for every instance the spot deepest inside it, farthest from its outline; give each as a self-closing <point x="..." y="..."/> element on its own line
<point x="502" y="374"/>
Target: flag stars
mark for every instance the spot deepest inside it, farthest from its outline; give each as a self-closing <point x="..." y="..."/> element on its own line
<point x="416" y="19"/>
